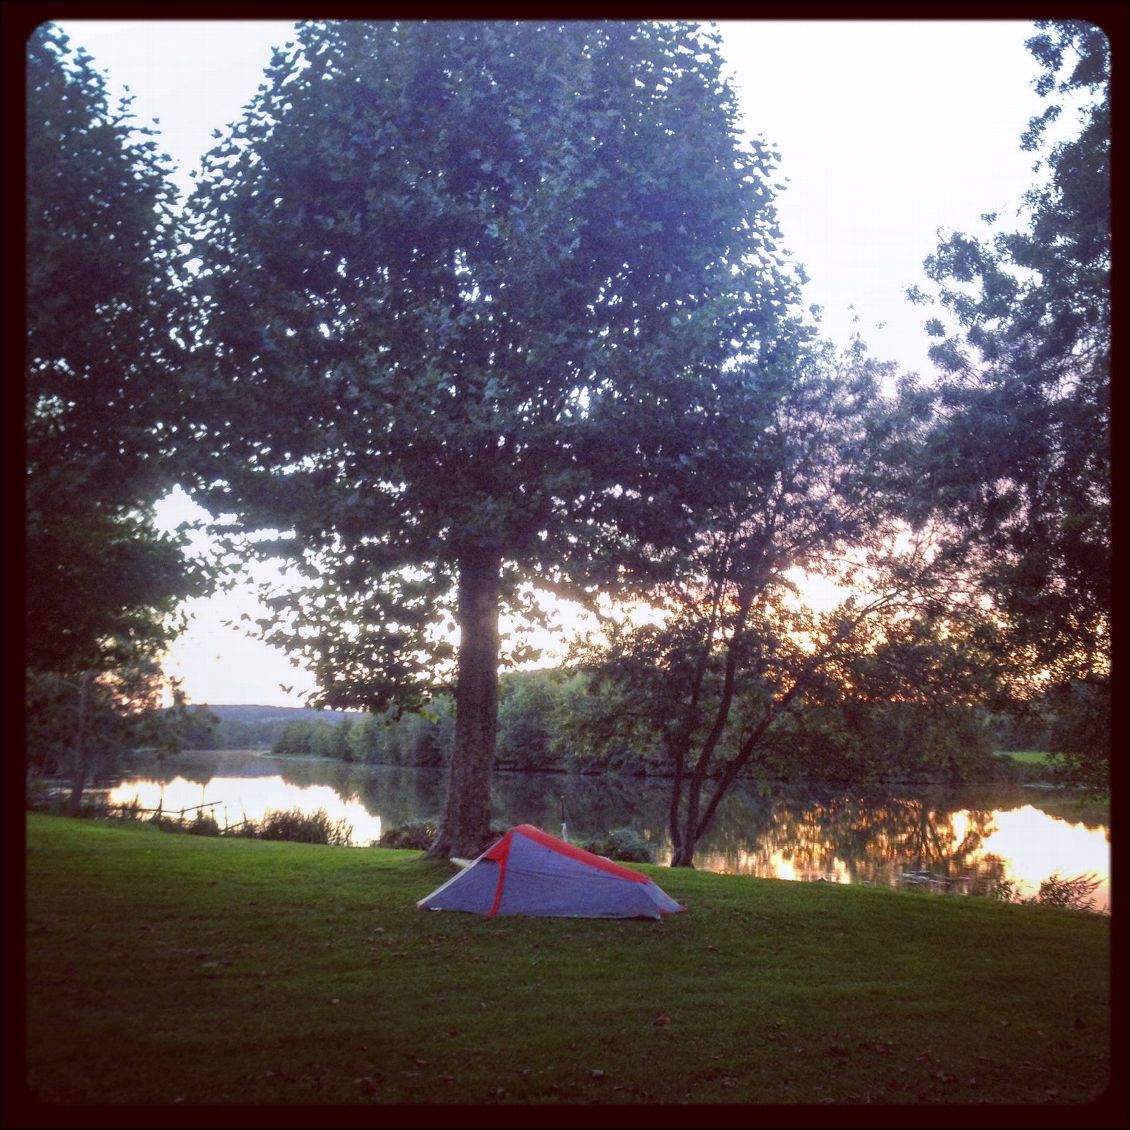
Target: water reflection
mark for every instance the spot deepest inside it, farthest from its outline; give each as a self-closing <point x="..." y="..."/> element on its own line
<point x="231" y="801"/>
<point x="962" y="841"/>
<point x="895" y="841"/>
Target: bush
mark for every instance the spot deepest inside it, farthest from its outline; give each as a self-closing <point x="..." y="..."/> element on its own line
<point x="622" y="844"/>
<point x="204" y="824"/>
<point x="416" y="835"/>
<point x="419" y="835"/>
<point x="304" y="828"/>
<point x="131" y="810"/>
<point x="1071" y="894"/>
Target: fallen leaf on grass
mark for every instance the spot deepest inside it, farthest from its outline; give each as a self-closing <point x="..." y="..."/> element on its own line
<point x="661" y="1020"/>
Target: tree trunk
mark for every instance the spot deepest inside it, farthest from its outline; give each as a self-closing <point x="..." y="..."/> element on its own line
<point x="464" y="827"/>
<point x="674" y="826"/>
<point x="684" y="854"/>
<point x="81" y="757"/>
<point x="684" y="836"/>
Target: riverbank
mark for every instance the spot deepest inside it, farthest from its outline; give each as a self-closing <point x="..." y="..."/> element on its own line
<point x="179" y="969"/>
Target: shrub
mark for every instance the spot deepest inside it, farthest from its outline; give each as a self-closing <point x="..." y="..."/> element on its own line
<point x="245" y="830"/>
<point x="623" y="844"/>
<point x="203" y="824"/>
<point x="131" y="810"/>
<point x="304" y="828"/>
<point x="1071" y="894"/>
<point x="419" y="835"/>
<point x="416" y="835"/>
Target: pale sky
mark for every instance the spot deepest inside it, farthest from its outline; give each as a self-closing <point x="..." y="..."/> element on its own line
<point x="887" y="131"/>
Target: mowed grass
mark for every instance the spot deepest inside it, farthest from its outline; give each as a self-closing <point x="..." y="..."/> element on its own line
<point x="1026" y="757"/>
<point x="168" y="968"/>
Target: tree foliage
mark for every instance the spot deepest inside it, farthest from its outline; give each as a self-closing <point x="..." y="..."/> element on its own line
<point x="467" y="290"/>
<point x="79" y="724"/>
<point x="102" y="262"/>
<point x="103" y="584"/>
<point x="1020" y="459"/>
<point x="729" y="659"/>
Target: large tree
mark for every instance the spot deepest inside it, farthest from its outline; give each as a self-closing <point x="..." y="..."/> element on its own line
<point x="467" y="293"/>
<point x="101" y="362"/>
<point x="103" y="583"/>
<point x="1019" y="460"/>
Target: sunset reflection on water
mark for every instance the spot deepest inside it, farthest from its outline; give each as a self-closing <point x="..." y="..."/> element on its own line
<point x="233" y="800"/>
<point x="950" y="845"/>
<point x="1022" y="847"/>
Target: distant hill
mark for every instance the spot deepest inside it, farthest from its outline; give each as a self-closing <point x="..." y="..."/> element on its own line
<point x="248" y="727"/>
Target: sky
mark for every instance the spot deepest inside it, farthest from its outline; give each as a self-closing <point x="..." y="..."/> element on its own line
<point x="888" y="131"/>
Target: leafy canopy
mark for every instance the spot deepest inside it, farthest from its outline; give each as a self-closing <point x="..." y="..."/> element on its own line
<point x="467" y="290"/>
<point x="102" y="264"/>
<point x="1020" y="458"/>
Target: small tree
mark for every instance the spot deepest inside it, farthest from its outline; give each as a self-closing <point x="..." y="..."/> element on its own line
<point x="78" y="725"/>
<point x="525" y="714"/>
<point x="815" y="485"/>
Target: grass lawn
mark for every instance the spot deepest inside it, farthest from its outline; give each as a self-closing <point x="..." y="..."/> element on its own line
<point x="1025" y="757"/>
<point x="167" y="968"/>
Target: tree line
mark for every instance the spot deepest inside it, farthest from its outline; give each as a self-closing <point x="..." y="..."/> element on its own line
<point x="559" y="721"/>
<point x="461" y="312"/>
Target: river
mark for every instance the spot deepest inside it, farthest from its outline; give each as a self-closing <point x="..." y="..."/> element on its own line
<point x="966" y="840"/>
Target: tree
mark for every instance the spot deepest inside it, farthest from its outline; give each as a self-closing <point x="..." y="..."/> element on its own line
<point x="102" y="583"/>
<point x="101" y="264"/>
<point x="525" y="715"/>
<point x="1019" y="460"/>
<point x="466" y="290"/>
<point x="729" y="656"/>
<point x="79" y="723"/>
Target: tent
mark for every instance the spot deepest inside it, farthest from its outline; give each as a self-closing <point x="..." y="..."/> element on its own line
<point x="531" y="872"/>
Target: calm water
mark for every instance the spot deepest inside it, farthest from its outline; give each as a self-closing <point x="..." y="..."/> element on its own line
<point x="961" y="841"/>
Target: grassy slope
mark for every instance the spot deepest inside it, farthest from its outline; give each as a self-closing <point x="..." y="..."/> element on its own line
<point x="168" y="968"/>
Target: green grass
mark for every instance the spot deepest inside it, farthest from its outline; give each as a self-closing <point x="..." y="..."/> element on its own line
<point x="170" y="968"/>
<point x="1026" y="757"/>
